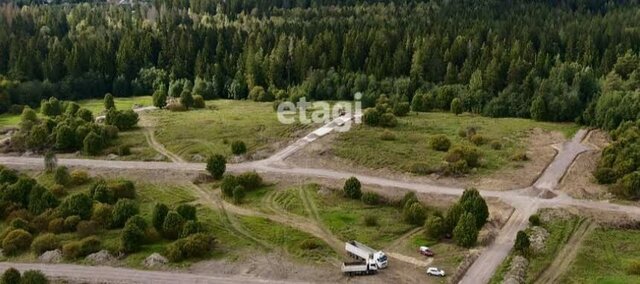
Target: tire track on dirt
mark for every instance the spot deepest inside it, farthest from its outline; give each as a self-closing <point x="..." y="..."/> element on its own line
<point x="565" y="257"/>
<point x="393" y="250"/>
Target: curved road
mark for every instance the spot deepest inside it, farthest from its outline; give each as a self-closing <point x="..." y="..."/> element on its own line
<point x="480" y="272"/>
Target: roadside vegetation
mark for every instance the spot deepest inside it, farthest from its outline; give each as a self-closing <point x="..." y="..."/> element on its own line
<point x="424" y="143"/>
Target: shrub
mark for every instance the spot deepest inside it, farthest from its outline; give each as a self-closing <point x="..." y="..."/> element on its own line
<point x="108" y="102"/>
<point x="465" y="233"/>
<point x="249" y="180"/>
<point x="19" y="223"/>
<point x="473" y="203"/>
<point x="534" y="220"/>
<point x="370" y="220"/>
<point x="434" y="227"/>
<point x="71" y="222"/>
<point x="196" y="245"/>
<point x="159" y="213"/>
<point x="371" y="198"/>
<point x="414" y="214"/>
<point x="440" y="143"/>
<point x="122" y="119"/>
<point x="188" y="212"/>
<point x="522" y="243"/>
<point x="34" y="277"/>
<point x="634" y="267"/>
<point x="123" y="189"/>
<point x="388" y="120"/>
<point x="102" y="214"/>
<point x="172" y="226"/>
<point x="519" y="157"/>
<point x="478" y="139"/>
<point x="79" y="177"/>
<point x="124" y="150"/>
<point x="58" y="190"/>
<point x="238" y="148"/>
<point x="628" y="186"/>
<point x="605" y="175"/>
<point x="352" y="188"/>
<point x="387" y="135"/>
<point x="310" y="244"/>
<point x="371" y="117"/>
<point x="10" y="276"/>
<point x="238" y="194"/>
<point x="56" y="226"/>
<point x="61" y="176"/>
<point x="122" y="211"/>
<point x="16" y="241"/>
<point x="45" y="242"/>
<point x="175" y="107"/>
<point x="496" y="145"/>
<point x="462" y="133"/>
<point x="457" y="168"/>
<point x="191" y="227"/>
<point x="408" y="199"/>
<point x="81" y="248"/>
<point x="216" y="166"/>
<point x="421" y="169"/>
<point x="131" y="237"/>
<point x="229" y="183"/>
<point x="99" y="192"/>
<point x="78" y="204"/>
<point x="198" y="102"/>
<point x="463" y="152"/>
<point x="87" y="228"/>
<point x="92" y="144"/>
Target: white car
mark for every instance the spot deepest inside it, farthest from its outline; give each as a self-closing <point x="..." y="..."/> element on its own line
<point x="434" y="271"/>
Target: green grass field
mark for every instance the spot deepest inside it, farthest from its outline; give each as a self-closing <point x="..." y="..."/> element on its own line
<point x="364" y="146"/>
<point x="447" y="254"/>
<point x="604" y="257"/>
<point x="211" y="131"/>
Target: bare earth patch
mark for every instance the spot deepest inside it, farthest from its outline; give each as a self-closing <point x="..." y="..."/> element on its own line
<point x="579" y="181"/>
<point x="515" y="175"/>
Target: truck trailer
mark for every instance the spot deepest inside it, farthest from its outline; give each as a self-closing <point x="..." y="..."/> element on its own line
<point x="359" y="268"/>
<point x="362" y="252"/>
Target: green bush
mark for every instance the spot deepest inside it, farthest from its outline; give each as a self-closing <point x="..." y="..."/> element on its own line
<point x="16" y="241"/>
<point x="81" y="248"/>
<point x="191" y="227"/>
<point x="634" y="267"/>
<point x="238" y="194"/>
<point x="352" y="188"/>
<point x="478" y="139"/>
<point x="238" y="148"/>
<point x="61" y="176"/>
<point x="465" y="233"/>
<point x="229" y="183"/>
<point x="414" y="213"/>
<point x="78" y="204"/>
<point x="159" y="213"/>
<point x="10" y="276"/>
<point x="434" y="227"/>
<point x="87" y="228"/>
<point x="123" y="189"/>
<point x="34" y="277"/>
<point x="19" y="223"/>
<point x="370" y="220"/>
<point x="79" y="177"/>
<point x="605" y="175"/>
<point x="457" y="168"/>
<point x="522" y="243"/>
<point x="440" y="143"/>
<point x="534" y="220"/>
<point x="45" y="242"/>
<point x="387" y="135"/>
<point x="124" y="150"/>
<point x="198" y="102"/>
<point x="122" y="211"/>
<point x="464" y="152"/>
<point x="310" y="244"/>
<point x="371" y="198"/>
<point x="102" y="214"/>
<point x="421" y="169"/>
<point x="188" y="212"/>
<point x="496" y="145"/>
<point x="196" y="245"/>
<point x="249" y="180"/>
<point x="519" y="157"/>
<point x="56" y="226"/>
<point x="71" y="222"/>
<point x="216" y="166"/>
<point x="172" y="226"/>
<point x="132" y="236"/>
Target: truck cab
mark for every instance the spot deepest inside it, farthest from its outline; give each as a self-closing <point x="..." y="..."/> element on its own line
<point x="381" y="259"/>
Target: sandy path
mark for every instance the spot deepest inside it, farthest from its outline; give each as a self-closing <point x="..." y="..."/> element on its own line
<point x="566" y="255"/>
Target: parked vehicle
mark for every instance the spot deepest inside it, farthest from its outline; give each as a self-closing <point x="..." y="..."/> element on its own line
<point x="426" y="251"/>
<point x="434" y="271"/>
<point x="362" y="252"/>
<point x="359" y="268"/>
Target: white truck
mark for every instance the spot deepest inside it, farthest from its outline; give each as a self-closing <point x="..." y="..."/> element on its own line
<point x="364" y="253"/>
<point x="359" y="268"/>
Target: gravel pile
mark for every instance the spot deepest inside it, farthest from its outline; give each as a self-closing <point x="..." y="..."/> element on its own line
<point x="52" y="256"/>
<point x="101" y="257"/>
<point x="538" y="238"/>
<point x="155" y="260"/>
<point x="517" y="271"/>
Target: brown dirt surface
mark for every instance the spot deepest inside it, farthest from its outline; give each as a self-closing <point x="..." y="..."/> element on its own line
<point x="579" y="181"/>
<point x="539" y="150"/>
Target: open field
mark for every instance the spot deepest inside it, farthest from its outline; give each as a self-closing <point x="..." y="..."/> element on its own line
<point x="364" y="146"/>
<point x="210" y="131"/>
<point x="604" y="257"/>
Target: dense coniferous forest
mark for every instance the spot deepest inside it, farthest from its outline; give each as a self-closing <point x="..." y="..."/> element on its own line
<point x="549" y="60"/>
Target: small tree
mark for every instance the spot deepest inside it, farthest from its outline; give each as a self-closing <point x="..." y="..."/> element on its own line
<point x="352" y="188"/>
<point x="414" y="214"/>
<point x="92" y="144"/>
<point x="160" y="97"/>
<point x="10" y="276"/>
<point x="434" y="227"/>
<point x="238" y="147"/>
<point x="122" y="211"/>
<point x="465" y="233"/>
<point x="172" y="226"/>
<point x="159" y="213"/>
<point x="452" y="217"/>
<point x="473" y="203"/>
<point x="50" y="161"/>
<point x="456" y="106"/>
<point x="522" y="243"/>
<point x="186" y="99"/>
<point x="108" y="102"/>
<point x="229" y="183"/>
<point x="216" y="166"/>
